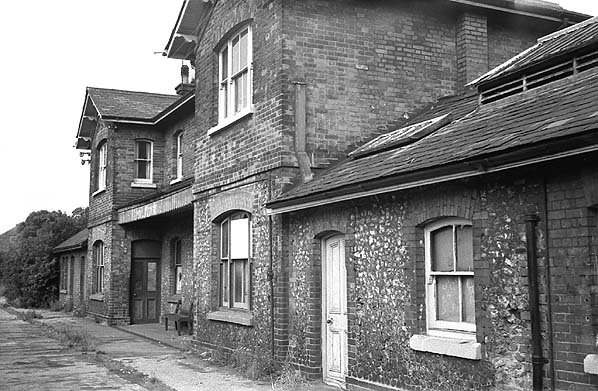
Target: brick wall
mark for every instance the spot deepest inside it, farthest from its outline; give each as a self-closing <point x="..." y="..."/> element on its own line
<point x="386" y="284"/>
<point x="73" y="297"/>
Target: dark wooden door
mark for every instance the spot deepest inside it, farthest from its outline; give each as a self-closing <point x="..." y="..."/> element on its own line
<point x="145" y="282"/>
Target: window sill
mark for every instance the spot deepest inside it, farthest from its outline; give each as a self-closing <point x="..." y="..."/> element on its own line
<point x="95" y="193"/>
<point x="229" y="121"/>
<point x="590" y="364"/>
<point x="450" y="347"/>
<point x="241" y="317"/>
<point x="97" y="297"/>
<point x="177" y="180"/>
<point x="63" y="292"/>
<point x="144" y="185"/>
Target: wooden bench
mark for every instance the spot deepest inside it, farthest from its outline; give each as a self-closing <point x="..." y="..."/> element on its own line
<point x="180" y="316"/>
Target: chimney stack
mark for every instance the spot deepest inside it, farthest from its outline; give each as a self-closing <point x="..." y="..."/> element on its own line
<point x="185" y="87"/>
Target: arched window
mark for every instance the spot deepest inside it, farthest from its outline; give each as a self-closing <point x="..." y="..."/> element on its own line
<point x="144" y="150"/>
<point x="234" y="76"/>
<point x="235" y="253"/>
<point x="450" y="298"/>
<point x="102" y="162"/>
<point x="63" y="274"/>
<point x="98" y="267"/>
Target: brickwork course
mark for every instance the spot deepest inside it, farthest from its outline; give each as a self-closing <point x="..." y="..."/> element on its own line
<point x="327" y="77"/>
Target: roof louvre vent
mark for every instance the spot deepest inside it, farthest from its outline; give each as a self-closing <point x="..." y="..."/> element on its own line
<point x="539" y="78"/>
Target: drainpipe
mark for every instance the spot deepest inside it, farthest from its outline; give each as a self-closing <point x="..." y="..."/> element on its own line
<point x="531" y="221"/>
<point x="301" y="132"/>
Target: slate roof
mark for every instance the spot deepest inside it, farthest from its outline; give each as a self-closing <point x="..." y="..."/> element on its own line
<point x="551" y="115"/>
<point x="78" y="240"/>
<point x="129" y="104"/>
<point x="560" y="43"/>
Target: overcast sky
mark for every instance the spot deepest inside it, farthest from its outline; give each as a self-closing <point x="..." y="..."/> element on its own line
<point x="52" y="50"/>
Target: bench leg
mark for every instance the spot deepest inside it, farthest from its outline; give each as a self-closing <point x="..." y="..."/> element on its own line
<point x="166" y="324"/>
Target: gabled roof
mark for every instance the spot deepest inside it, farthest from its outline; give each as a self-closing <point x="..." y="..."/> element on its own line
<point x="143" y="108"/>
<point x="184" y="35"/>
<point x="555" y="120"/>
<point x="75" y="242"/>
<point x="556" y="45"/>
<point x="129" y="104"/>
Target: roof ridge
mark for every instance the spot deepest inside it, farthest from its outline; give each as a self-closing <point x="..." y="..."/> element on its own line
<point x="133" y="92"/>
<point x="567" y="30"/>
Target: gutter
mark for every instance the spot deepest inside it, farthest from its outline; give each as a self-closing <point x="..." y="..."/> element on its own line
<point x="561" y="19"/>
<point x="434" y="176"/>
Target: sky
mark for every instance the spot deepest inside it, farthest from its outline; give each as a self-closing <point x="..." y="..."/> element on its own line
<point x="52" y="51"/>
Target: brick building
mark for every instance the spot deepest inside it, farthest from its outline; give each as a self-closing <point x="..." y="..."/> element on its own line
<point x="71" y="255"/>
<point x="283" y="91"/>
<point x="140" y="214"/>
<point x="464" y="242"/>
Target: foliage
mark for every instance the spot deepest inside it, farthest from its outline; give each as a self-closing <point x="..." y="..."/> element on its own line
<point x="29" y="271"/>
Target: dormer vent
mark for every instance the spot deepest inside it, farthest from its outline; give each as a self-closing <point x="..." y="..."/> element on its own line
<point x="525" y="82"/>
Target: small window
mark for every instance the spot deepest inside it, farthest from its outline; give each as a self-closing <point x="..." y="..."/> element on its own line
<point x="234" y="261"/>
<point x="63" y="273"/>
<point x="177" y="255"/>
<point x="98" y="267"/>
<point x="179" y="156"/>
<point x="102" y="163"/>
<point x="450" y="289"/>
<point x="235" y="80"/>
<point x="143" y="161"/>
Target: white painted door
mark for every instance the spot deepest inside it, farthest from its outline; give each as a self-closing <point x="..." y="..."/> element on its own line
<point x="335" y="311"/>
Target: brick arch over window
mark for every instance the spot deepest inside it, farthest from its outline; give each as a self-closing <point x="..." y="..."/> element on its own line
<point x="434" y="206"/>
<point x="223" y="203"/>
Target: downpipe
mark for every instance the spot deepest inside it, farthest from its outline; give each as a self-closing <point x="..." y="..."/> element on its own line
<point x="531" y="221"/>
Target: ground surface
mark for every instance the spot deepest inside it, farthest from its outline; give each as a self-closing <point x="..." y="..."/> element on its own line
<point x="31" y="361"/>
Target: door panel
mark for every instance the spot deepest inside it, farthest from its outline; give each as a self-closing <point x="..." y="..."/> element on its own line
<point x="145" y="290"/>
<point x="335" y="311"/>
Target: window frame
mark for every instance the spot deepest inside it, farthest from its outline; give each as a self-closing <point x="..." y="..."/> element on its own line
<point x="149" y="160"/>
<point x="63" y="274"/>
<point x="102" y="165"/>
<point x="98" y="267"/>
<point x="227" y="262"/>
<point x="177" y="263"/>
<point x="435" y="327"/>
<point x="179" y="156"/>
<point x="227" y="113"/>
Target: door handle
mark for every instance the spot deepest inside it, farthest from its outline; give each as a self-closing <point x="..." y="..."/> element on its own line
<point x="329" y="321"/>
<point x="134" y="294"/>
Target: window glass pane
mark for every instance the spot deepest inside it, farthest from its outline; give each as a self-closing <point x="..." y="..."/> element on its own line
<point x="442" y="249"/>
<point x="239" y="237"/>
<point x="224" y="240"/>
<point x="143" y="150"/>
<point x="236" y="47"/>
<point x="447" y="299"/>
<point x="224" y="282"/>
<point x="243" y="54"/>
<point x="224" y="64"/>
<point x="178" y="279"/>
<point x="464" y="248"/>
<point x="468" y="300"/>
<point x="152" y="276"/>
<point x="224" y="99"/>
<point x="177" y="253"/>
<point x="239" y="281"/>
<point x="143" y="169"/>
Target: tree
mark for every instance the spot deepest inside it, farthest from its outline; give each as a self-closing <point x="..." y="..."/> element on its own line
<point x="30" y="273"/>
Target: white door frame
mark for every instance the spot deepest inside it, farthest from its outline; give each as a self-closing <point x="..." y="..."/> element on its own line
<point x="338" y="381"/>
